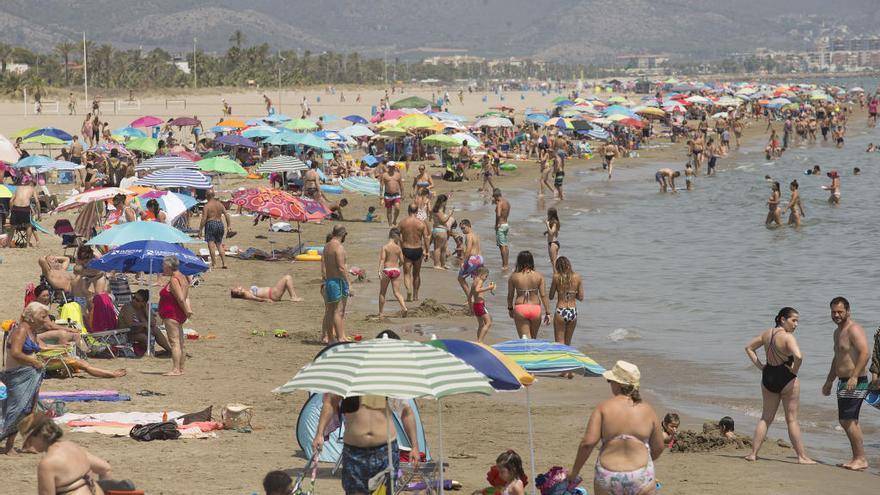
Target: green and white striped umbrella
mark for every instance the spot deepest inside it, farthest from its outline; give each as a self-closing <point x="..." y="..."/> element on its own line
<point x="399" y="369"/>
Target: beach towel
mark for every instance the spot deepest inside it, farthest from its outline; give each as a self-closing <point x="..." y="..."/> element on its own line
<point x="72" y="312"/>
<point x="29" y="294"/>
<point x="85" y="396"/>
<point x="103" y="315"/>
<point x="875" y="359"/>
<point x="22" y="385"/>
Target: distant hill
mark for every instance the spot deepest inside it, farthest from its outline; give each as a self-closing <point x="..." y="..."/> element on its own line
<point x="578" y="30"/>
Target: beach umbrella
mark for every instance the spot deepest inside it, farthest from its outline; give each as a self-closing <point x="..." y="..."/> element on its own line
<point x="856" y="89"/>
<point x="62" y="165"/>
<point x="236" y="140"/>
<point x="106" y="148"/>
<point x="559" y="123"/>
<point x="146" y="257"/>
<point x="27" y="131"/>
<point x="650" y="111"/>
<point x="548" y="357"/>
<point x="471" y="140"/>
<point x="448" y="116"/>
<point x="355" y="119"/>
<point x="140" y="231"/>
<point x="89" y="197"/>
<point x="282" y="139"/>
<point x="393" y="132"/>
<point x="313" y="141"/>
<point x="441" y="140"/>
<point x="220" y="129"/>
<point x="50" y="132"/>
<point x="329" y="117"/>
<point x="618" y="110"/>
<point x="392" y="368"/>
<point x="537" y="118"/>
<point x="146" y="145"/>
<point x="33" y="161"/>
<point x="699" y="100"/>
<point x="728" y="101"/>
<point x="167" y="161"/>
<point x="221" y="165"/>
<point x="357" y="130"/>
<point x="275" y="203"/>
<point x="503" y="373"/>
<point x="44" y="140"/>
<point x="254" y="122"/>
<point x="361" y="184"/>
<point x="176" y="177"/>
<point x="778" y="102"/>
<point x="411" y="102"/>
<point x="188" y="121"/>
<point x="146" y="121"/>
<point x="6" y="191"/>
<point x="301" y="125"/>
<point x="173" y="204"/>
<point x="417" y="121"/>
<point x="129" y="132"/>
<point x="260" y="131"/>
<point x="8" y="153"/>
<point x="282" y="163"/>
<point x="493" y="122"/>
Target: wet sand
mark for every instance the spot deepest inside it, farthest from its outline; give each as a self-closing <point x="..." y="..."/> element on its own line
<point x="238" y="366"/>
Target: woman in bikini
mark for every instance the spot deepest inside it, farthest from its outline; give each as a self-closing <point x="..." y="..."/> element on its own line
<point x="67" y="468"/>
<point x="423" y="205"/>
<point x="174" y="311"/>
<point x="267" y="294"/>
<point x="779" y="381"/>
<point x="390" y="261"/>
<point x="552" y="233"/>
<point x="423" y="181"/>
<point x="440" y="232"/>
<point x="568" y="288"/>
<point x="774" y="214"/>
<point x="794" y="205"/>
<point x="526" y="295"/>
<point x="631" y="435"/>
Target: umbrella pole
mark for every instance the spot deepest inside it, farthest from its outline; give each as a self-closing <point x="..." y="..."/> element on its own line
<point x="531" y="439"/>
<point x="391" y="472"/>
<point x="440" y="442"/>
<point x="150" y="309"/>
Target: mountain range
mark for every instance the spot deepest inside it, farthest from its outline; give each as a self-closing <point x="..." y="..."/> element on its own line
<point x="574" y="30"/>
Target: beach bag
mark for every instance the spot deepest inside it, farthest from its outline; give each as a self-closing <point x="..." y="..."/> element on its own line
<point x="236" y="416"/>
<point x="378" y="484"/>
<point x="155" y="431"/>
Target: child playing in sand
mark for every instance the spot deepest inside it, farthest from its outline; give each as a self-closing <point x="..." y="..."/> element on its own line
<point x="371" y="215"/>
<point x="484" y="320"/>
<point x="670" y="426"/>
<point x="727" y="428"/>
<point x="510" y="470"/>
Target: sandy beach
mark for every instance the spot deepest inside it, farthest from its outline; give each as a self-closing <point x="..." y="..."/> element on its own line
<point x="239" y="361"/>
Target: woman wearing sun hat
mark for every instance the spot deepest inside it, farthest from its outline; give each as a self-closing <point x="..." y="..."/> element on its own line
<point x="631" y="437"/>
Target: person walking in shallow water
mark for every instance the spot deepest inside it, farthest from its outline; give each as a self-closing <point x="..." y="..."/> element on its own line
<point x="779" y="380"/>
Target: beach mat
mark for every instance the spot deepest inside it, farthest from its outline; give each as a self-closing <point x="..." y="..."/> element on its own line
<point x="85" y="396"/>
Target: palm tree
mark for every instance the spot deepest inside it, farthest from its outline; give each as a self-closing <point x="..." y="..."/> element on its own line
<point x="65" y="49"/>
<point x="5" y="53"/>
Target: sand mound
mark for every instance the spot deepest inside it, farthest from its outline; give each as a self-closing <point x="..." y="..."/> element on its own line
<point x="430" y="307"/>
<point x="710" y="439"/>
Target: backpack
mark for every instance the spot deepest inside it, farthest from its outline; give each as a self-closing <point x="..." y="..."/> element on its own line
<point x="155" y="431"/>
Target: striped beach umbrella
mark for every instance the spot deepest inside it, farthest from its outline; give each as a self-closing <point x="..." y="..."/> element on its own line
<point x="360" y="184"/>
<point x="546" y="357"/>
<point x="162" y="162"/>
<point x="503" y="373"/>
<point x="176" y="177"/>
<point x="89" y="197"/>
<point x="282" y="163"/>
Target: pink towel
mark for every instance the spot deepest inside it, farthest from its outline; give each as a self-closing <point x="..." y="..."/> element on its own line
<point x="103" y="313"/>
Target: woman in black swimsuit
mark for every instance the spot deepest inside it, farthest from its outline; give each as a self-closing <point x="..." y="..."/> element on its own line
<point x="779" y="381"/>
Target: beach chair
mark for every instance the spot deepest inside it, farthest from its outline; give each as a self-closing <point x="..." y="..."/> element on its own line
<point x="69" y="238"/>
<point x="120" y="289"/>
<point x="102" y="336"/>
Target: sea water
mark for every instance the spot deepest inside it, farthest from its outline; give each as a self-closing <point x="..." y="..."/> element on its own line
<point x="687" y="279"/>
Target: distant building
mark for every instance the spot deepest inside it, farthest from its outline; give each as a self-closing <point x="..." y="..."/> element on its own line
<point x="643" y="61"/>
<point x="453" y="60"/>
<point x="17" y="68"/>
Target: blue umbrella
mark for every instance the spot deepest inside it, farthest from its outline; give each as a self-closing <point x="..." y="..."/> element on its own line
<point x="356" y="119"/>
<point x="619" y="109"/>
<point x="52" y="132"/>
<point x="33" y="161"/>
<point x="146" y="257"/>
<point x="140" y="231"/>
<point x="62" y="165"/>
<point x="260" y="131"/>
<point x="219" y="129"/>
<point x="236" y="140"/>
<point x="129" y="132"/>
<point x="564" y="103"/>
<point x="548" y="357"/>
<point x="329" y="118"/>
<point x="537" y="118"/>
<point x="255" y="122"/>
<point x="282" y="139"/>
<point x="313" y="141"/>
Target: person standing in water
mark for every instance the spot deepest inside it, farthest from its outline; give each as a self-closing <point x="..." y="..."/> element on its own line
<point x="390" y="261"/>
<point x="834" y="187"/>
<point x="552" y="233"/>
<point x="471" y="258"/>
<point x="502" y="228"/>
<point x="526" y="294"/>
<point x="568" y="288"/>
<point x="666" y="178"/>
<point x="779" y="380"/>
<point x="851" y="356"/>
<point x="794" y="205"/>
<point x="773" y="213"/>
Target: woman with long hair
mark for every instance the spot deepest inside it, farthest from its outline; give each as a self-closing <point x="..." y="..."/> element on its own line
<point x="440" y="230"/>
<point x="526" y="295"/>
<point x="773" y="214"/>
<point x="552" y="233"/>
<point x="779" y="380"/>
<point x="568" y="288"/>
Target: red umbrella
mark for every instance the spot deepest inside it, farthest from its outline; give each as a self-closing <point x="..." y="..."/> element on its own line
<point x="187" y="154"/>
<point x="633" y="123"/>
<point x="313" y="209"/>
<point x="185" y="121"/>
<point x="271" y="202"/>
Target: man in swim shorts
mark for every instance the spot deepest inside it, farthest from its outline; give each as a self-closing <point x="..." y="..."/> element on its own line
<point x="335" y="287"/>
<point x="666" y="178"/>
<point x="471" y="258"/>
<point x="502" y="228"/>
<point x="415" y="238"/>
<point x="851" y="356"/>
<point x="311" y="182"/>
<point x="20" y="206"/>
<point x="609" y="153"/>
<point x="391" y="189"/>
<point x="212" y="226"/>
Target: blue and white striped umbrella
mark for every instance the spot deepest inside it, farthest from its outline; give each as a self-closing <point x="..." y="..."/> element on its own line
<point x="548" y="357"/>
<point x="176" y="177"/>
<point x="61" y="165"/>
<point x="162" y="162"/>
<point x="282" y="163"/>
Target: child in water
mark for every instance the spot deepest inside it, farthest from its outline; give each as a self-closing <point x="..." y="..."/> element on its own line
<point x="689" y="176"/>
<point x="510" y="470"/>
<point x="484" y="320"/>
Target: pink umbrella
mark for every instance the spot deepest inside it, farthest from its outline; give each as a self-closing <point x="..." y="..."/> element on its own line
<point x="147" y="121"/>
<point x="387" y="115"/>
<point x="187" y="154"/>
<point x="185" y="121"/>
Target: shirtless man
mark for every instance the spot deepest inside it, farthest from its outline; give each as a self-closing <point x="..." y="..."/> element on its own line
<point x="54" y="269"/>
<point x="134" y="316"/>
<point x="20" y="211"/>
<point x="560" y="147"/>
<point x="471" y="259"/>
<point x="851" y="356"/>
<point x="544" y="179"/>
<point x="834" y="198"/>
<point x="76" y="156"/>
<point x="212" y="225"/>
<point x="502" y="228"/>
<point x="609" y="152"/>
<point x="335" y="287"/>
<point x="311" y="181"/>
<point x="666" y="178"/>
<point x="390" y="262"/>
<point x="415" y="239"/>
<point x="391" y="190"/>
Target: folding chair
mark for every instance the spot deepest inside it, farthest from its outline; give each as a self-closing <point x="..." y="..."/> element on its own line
<point x="120" y="289"/>
<point x="423" y="479"/>
<point x="69" y="238"/>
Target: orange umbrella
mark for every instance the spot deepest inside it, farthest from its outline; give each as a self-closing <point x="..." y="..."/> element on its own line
<point x="232" y="123"/>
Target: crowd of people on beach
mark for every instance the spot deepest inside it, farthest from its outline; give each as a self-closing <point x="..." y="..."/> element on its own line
<point x="631" y="434"/>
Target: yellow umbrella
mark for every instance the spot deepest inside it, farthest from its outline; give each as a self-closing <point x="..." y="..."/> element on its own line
<point x="417" y="121"/>
<point x="24" y="132"/>
<point x="657" y="112"/>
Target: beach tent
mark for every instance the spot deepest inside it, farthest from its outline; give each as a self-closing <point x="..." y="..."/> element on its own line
<point x="307" y="426"/>
<point x="411" y="102"/>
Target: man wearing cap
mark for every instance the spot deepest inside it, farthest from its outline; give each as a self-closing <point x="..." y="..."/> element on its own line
<point x="625" y="424"/>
